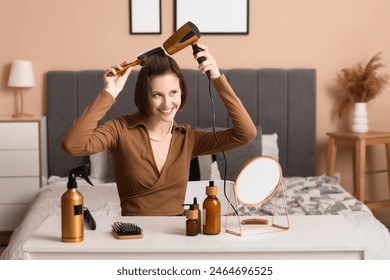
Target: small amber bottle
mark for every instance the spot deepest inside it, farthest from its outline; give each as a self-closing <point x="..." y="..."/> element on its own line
<point x="192" y="221"/>
<point x="211" y="211"/>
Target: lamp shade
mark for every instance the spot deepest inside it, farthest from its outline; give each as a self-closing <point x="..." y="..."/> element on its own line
<point x="22" y="74"/>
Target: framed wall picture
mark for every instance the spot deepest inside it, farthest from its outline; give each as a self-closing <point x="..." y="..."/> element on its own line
<point x="214" y="17"/>
<point x="145" y="16"/>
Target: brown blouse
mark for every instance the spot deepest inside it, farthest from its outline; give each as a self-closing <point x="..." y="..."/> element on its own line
<point x="142" y="189"/>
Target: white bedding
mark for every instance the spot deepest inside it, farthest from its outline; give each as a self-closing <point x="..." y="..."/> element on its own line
<point x="305" y="196"/>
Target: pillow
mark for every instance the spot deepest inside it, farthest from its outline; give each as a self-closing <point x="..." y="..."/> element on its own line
<point x="270" y="145"/>
<point x="208" y="168"/>
<point x="99" y="166"/>
<point x="102" y="167"/>
<point x="204" y="167"/>
<point x="238" y="157"/>
<point x="215" y="174"/>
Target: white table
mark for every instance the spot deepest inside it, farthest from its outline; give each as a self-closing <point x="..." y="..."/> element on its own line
<point x="309" y="237"/>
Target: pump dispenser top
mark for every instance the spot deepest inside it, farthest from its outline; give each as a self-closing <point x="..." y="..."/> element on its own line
<point x="72" y="212"/>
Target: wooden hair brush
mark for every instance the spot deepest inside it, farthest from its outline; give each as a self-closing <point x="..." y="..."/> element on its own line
<point x="123" y="230"/>
<point x="139" y="61"/>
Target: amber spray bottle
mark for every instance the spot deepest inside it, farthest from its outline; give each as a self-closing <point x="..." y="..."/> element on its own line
<point x="72" y="212"/>
<point x="211" y="211"/>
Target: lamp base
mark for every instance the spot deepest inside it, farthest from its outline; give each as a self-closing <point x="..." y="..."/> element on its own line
<point x="22" y="116"/>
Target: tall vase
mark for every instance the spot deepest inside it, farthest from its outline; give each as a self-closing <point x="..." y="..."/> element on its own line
<point x="360" y="120"/>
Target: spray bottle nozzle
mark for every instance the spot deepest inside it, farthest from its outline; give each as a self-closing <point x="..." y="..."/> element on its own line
<point x="80" y="171"/>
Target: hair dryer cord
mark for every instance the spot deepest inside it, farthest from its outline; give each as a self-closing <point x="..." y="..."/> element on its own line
<point x="221" y="148"/>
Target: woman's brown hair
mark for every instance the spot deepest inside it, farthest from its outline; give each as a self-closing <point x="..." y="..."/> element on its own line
<point x="156" y="65"/>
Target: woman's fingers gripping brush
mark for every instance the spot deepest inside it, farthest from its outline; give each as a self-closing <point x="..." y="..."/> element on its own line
<point x="114" y="83"/>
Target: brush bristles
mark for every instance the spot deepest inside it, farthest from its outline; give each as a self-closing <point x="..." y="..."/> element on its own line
<point x="122" y="228"/>
<point x="154" y="51"/>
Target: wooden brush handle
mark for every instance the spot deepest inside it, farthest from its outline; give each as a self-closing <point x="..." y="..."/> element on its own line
<point x="135" y="236"/>
<point x="125" y="67"/>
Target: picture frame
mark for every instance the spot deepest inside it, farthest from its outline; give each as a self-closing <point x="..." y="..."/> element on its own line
<point x="145" y="16"/>
<point x="220" y="16"/>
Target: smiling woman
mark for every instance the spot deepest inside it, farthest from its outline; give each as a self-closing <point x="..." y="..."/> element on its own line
<point x="151" y="152"/>
<point x="155" y="73"/>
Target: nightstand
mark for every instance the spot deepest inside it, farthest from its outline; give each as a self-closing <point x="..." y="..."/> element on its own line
<point x="23" y="167"/>
<point x="360" y="141"/>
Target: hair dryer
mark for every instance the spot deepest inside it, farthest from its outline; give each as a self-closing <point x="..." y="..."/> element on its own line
<point x="186" y="35"/>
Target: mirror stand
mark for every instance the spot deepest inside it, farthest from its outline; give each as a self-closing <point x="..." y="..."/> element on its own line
<point x="257" y="225"/>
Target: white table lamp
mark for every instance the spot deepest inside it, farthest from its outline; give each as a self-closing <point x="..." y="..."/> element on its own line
<point x="21" y="76"/>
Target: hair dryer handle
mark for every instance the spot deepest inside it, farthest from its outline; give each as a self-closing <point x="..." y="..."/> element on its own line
<point x="196" y="49"/>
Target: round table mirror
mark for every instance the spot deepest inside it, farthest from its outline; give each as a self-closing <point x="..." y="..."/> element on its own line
<point x="258" y="180"/>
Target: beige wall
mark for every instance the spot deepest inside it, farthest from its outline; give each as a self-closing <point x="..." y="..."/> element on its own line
<point x="325" y="35"/>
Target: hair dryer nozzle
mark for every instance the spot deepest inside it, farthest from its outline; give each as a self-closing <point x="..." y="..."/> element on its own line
<point x="186" y="35"/>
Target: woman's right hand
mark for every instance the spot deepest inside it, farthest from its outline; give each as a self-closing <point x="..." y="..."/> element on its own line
<point x="115" y="83"/>
<point x="209" y="64"/>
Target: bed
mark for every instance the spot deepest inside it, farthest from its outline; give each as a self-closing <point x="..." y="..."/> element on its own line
<point x="281" y="102"/>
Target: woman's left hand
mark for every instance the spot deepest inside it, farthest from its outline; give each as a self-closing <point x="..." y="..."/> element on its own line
<point x="209" y="64"/>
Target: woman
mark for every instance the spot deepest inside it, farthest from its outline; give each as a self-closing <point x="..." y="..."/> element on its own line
<point x="151" y="152"/>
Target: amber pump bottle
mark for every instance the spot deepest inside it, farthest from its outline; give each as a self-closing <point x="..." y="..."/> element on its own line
<point x="211" y="211"/>
<point x="72" y="212"/>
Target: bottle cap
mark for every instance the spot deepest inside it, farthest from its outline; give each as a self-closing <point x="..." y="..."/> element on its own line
<point x="211" y="190"/>
<point x="192" y="214"/>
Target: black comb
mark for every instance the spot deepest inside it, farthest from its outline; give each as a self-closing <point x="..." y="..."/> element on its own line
<point x="123" y="230"/>
<point x="89" y="219"/>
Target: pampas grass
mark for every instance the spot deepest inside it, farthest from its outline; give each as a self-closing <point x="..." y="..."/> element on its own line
<point x="361" y="84"/>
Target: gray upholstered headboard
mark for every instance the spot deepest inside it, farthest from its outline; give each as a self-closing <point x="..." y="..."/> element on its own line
<point x="281" y="101"/>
